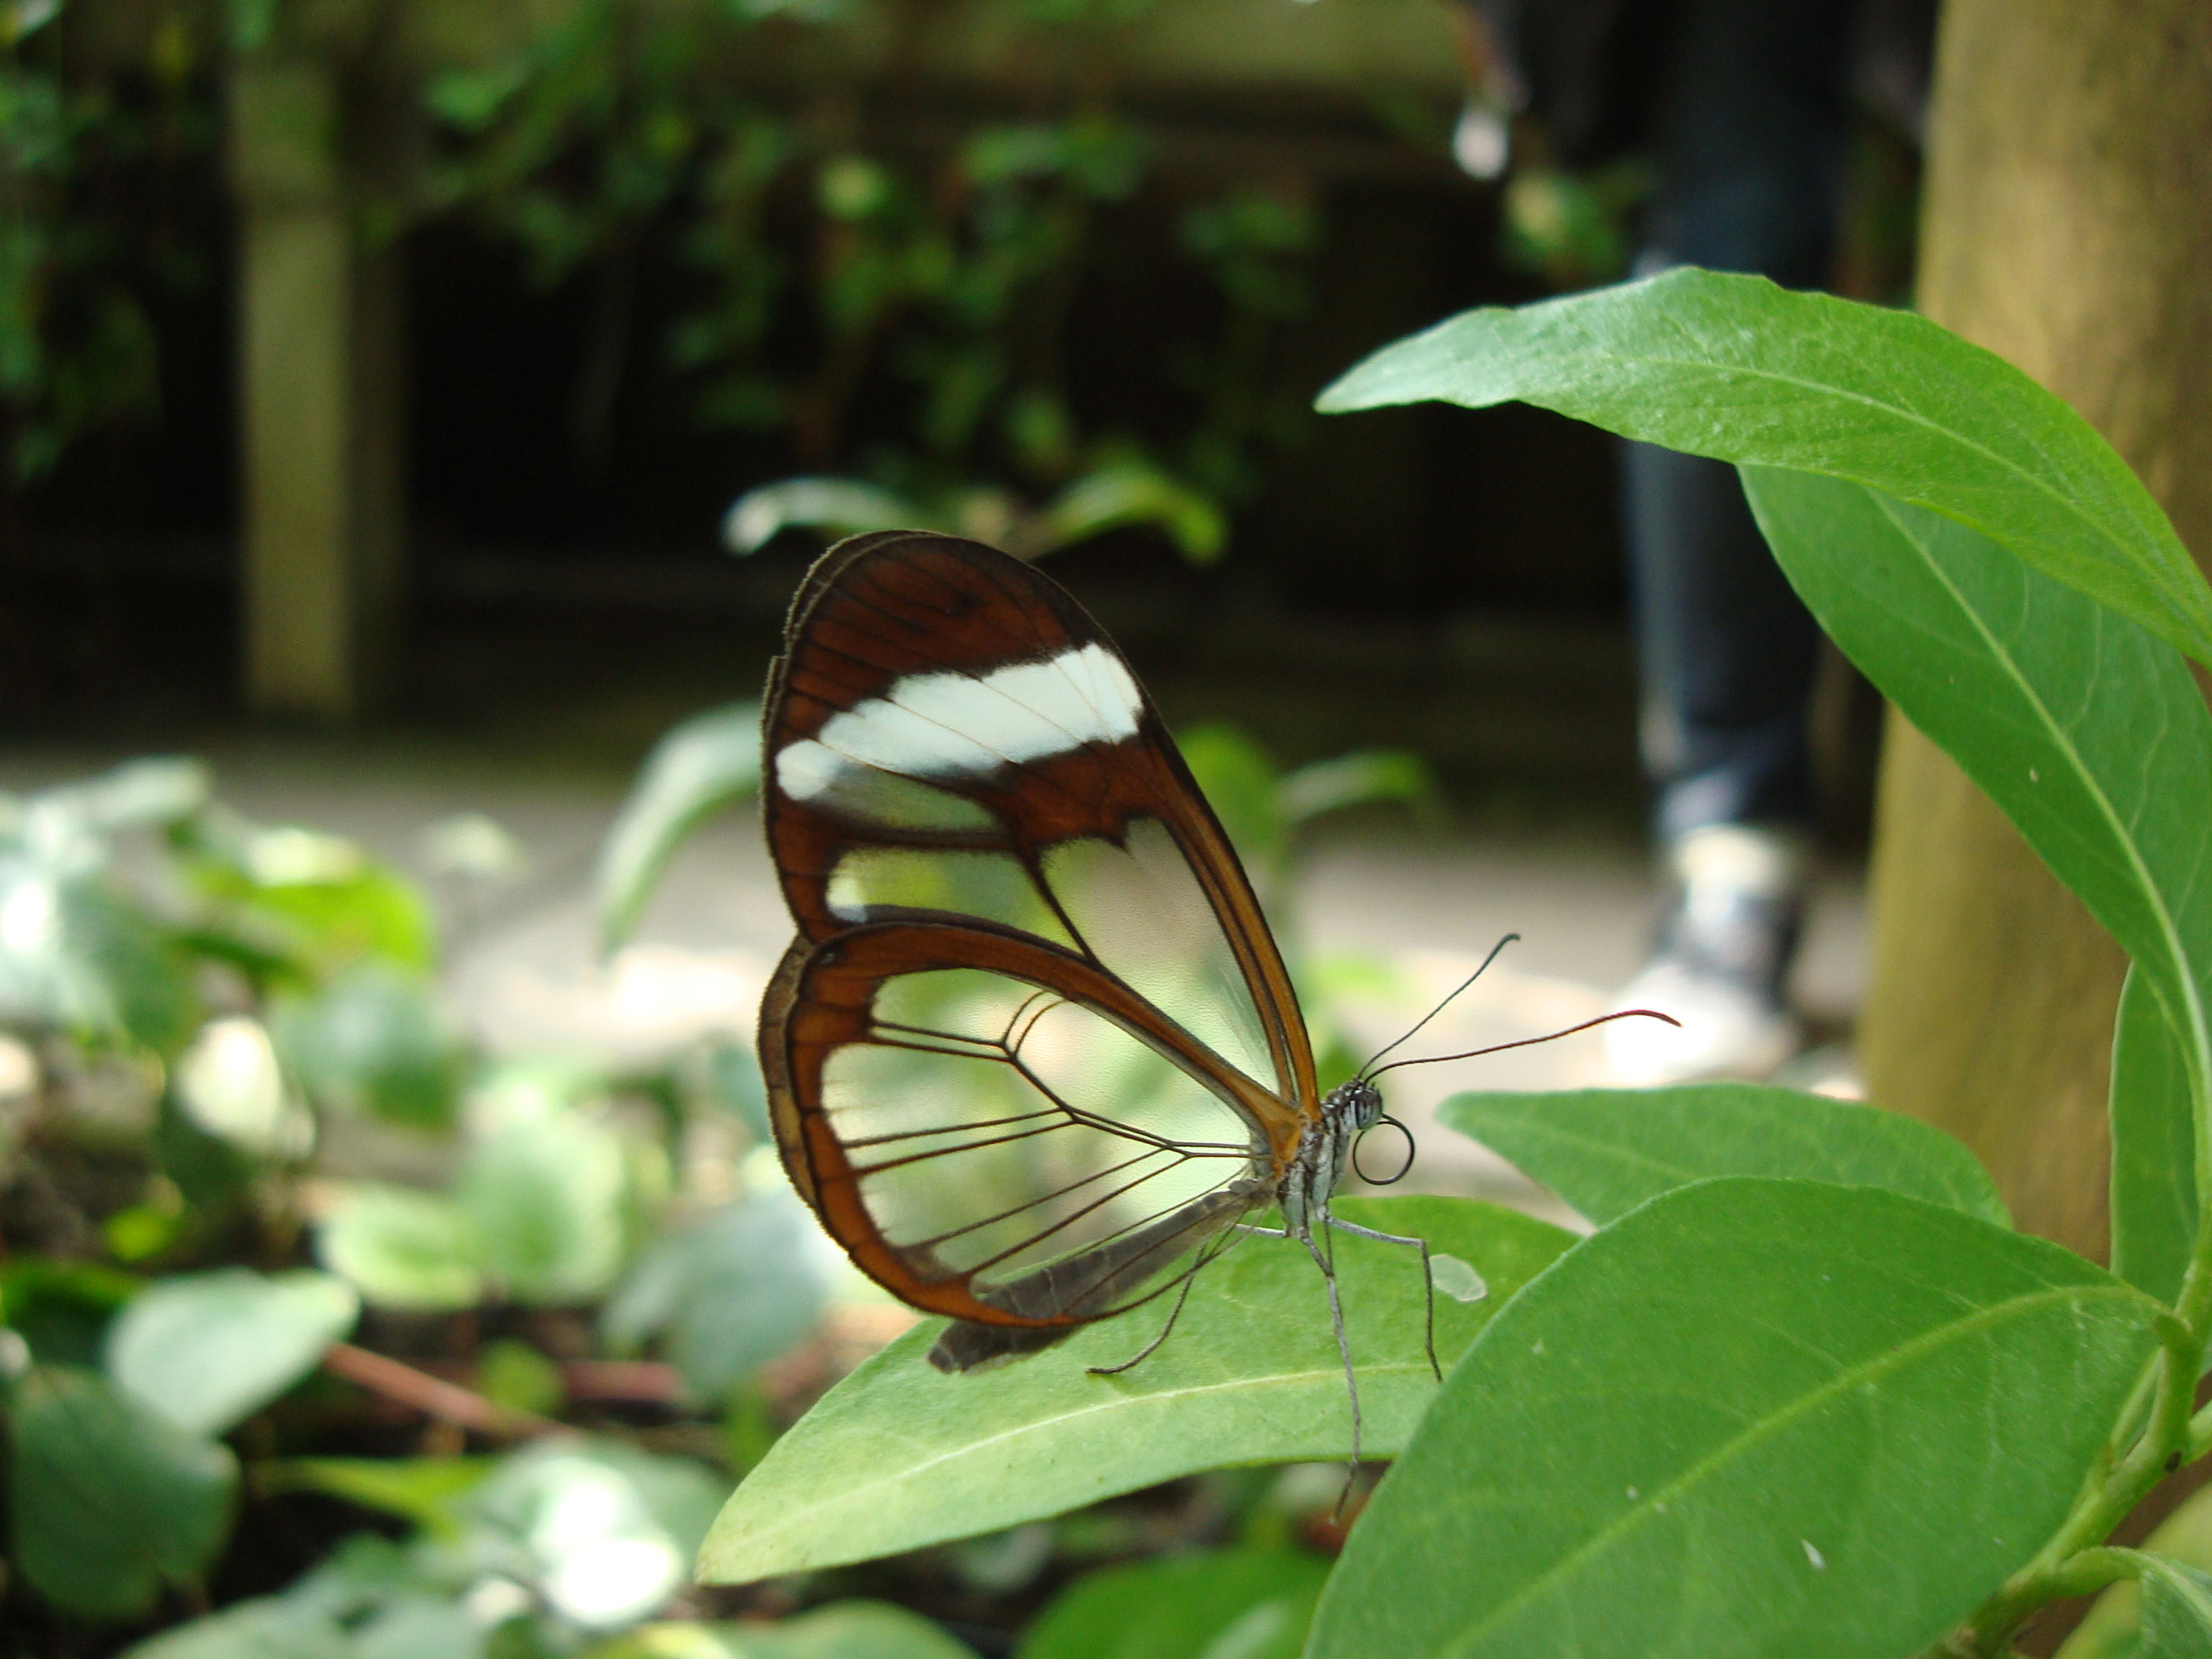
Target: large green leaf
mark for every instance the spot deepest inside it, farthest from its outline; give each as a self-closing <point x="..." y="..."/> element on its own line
<point x="1253" y="1603"/>
<point x="1736" y="368"/>
<point x="111" y="1503"/>
<point x="208" y="1350"/>
<point x="707" y="761"/>
<point x="898" y="1455"/>
<point x="2154" y="1167"/>
<point x="1751" y="1418"/>
<point x="1605" y="1150"/>
<point x="2084" y="728"/>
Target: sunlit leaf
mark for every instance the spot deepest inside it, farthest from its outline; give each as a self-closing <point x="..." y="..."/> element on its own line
<point x="898" y="1454"/>
<point x="373" y="1040"/>
<point x="206" y="1351"/>
<point x="425" y="1491"/>
<point x="707" y="762"/>
<point x="843" y="1630"/>
<point x="727" y="1291"/>
<point x="1712" y="1430"/>
<point x="546" y="1207"/>
<point x="401" y="1249"/>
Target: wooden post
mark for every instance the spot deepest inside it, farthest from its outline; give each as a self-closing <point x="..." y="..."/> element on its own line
<point x="2066" y="228"/>
<point x="321" y="409"/>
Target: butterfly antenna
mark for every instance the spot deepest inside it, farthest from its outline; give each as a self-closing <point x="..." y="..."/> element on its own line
<point x="1511" y="938"/>
<point x="1500" y="1048"/>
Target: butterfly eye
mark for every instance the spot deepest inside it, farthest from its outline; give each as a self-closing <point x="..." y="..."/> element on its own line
<point x="1404" y="1169"/>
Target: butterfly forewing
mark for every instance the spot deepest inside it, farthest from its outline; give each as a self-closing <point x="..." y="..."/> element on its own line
<point x="1034" y="1045"/>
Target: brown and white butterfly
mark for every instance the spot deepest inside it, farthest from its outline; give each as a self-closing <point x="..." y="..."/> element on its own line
<point x="1034" y="1056"/>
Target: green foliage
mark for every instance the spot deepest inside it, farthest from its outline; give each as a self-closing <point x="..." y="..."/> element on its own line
<point x="206" y="1351"/>
<point x="110" y="1503"/>
<point x="1802" y="1391"/>
<point x="1736" y="368"/>
<point x="1252" y="1603"/>
<point x="1606" y="1151"/>
<point x="707" y="762"/>
<point x="899" y="1455"/>
<point x="1790" y="1370"/>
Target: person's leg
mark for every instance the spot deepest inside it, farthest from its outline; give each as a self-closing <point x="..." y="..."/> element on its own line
<point x="1748" y="129"/>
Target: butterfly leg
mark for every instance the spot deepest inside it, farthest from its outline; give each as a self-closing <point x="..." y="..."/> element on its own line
<point x="1152" y="1346"/>
<point x="1344" y="1351"/>
<point x="1428" y="1285"/>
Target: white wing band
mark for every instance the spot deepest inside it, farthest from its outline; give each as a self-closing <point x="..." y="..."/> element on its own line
<point x="954" y="725"/>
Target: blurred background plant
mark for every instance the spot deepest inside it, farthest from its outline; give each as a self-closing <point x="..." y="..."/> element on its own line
<point x="313" y="1313"/>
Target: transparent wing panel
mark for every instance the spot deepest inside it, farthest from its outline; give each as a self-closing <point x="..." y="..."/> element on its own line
<point x="1142" y="912"/>
<point x="995" y="1127"/>
<point x="991" y="885"/>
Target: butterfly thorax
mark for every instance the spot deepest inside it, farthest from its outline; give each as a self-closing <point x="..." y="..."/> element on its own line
<point x="1348" y="1111"/>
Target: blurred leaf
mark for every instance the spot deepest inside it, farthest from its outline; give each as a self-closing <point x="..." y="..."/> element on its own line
<point x="843" y="507"/>
<point x="425" y="1491"/>
<point x="1129" y="493"/>
<point x="898" y="1454"/>
<point x="728" y="1291"/>
<point x="1790" y="1369"/>
<point x="1253" y="1604"/>
<point x="373" y="1040"/>
<point x="206" y="1351"/>
<point x="546" y="1204"/>
<point x="2110" y="1631"/>
<point x="110" y="1504"/>
<point x="138" y="795"/>
<point x="475" y="845"/>
<point x="77" y="956"/>
<point x="1363" y="778"/>
<point x="321" y="894"/>
<point x="843" y="1630"/>
<point x="706" y="762"/>
<point x="265" y="1627"/>
<point x="230" y="1085"/>
<point x="2154" y="1196"/>
<point x="401" y="1249"/>
<point x="1605" y="1150"/>
<point x="1737" y="369"/>
<point x="62" y="1309"/>
<point x="609" y="1531"/>
<point x="514" y="1374"/>
<point x="2177" y="1611"/>
<point x="1241" y="782"/>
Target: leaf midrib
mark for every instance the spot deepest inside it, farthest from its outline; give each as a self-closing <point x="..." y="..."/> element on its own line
<point x="1844" y="1382"/>
<point x="2062" y="739"/>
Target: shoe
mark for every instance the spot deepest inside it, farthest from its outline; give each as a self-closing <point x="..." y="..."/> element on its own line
<point x="1723" y="955"/>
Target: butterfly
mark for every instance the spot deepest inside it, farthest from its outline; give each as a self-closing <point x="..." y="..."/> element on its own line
<point x="1034" y="1057"/>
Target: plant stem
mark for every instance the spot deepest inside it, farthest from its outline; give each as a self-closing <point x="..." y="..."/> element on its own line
<point x="2073" y="1563"/>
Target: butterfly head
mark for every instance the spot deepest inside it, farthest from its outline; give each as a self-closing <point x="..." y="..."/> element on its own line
<point x="1353" y="1107"/>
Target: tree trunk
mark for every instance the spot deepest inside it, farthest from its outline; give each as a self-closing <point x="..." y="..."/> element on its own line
<point x="2068" y="227"/>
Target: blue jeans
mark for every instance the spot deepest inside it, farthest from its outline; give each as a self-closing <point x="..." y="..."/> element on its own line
<point x="1747" y="127"/>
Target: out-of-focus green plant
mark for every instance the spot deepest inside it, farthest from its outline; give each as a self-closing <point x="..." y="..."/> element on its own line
<point x="194" y="1011"/>
<point x="950" y="275"/>
<point x="83" y="244"/>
